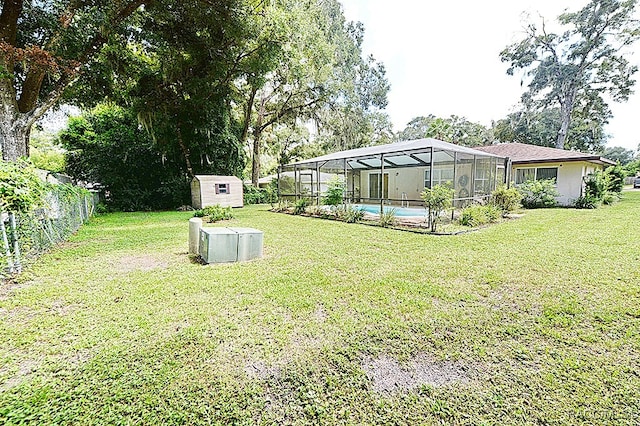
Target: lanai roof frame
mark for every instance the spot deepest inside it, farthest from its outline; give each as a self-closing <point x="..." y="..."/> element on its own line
<point x="396" y="149"/>
<point x="405" y="154"/>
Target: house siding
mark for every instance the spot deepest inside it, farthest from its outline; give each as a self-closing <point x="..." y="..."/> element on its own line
<point x="570" y="177"/>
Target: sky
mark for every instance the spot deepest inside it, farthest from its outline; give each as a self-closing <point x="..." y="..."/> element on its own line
<point x="442" y="58"/>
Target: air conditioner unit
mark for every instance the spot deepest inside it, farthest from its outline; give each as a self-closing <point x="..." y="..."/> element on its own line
<point x="218" y="245"/>
<point x="249" y="243"/>
<point x="221" y="245"/>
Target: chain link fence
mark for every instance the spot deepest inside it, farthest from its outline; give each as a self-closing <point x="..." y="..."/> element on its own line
<point x="27" y="236"/>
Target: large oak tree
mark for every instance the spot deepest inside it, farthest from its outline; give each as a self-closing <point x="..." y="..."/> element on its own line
<point x="586" y="61"/>
<point x="317" y="74"/>
<point x="44" y="48"/>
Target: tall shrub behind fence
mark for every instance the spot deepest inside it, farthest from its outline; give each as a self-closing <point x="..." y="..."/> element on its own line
<point x="29" y="234"/>
<point x="34" y="215"/>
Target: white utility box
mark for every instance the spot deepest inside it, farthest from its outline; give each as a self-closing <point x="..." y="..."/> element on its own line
<point x="221" y="245"/>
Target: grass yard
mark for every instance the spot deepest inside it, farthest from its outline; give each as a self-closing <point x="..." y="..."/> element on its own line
<point x="531" y="321"/>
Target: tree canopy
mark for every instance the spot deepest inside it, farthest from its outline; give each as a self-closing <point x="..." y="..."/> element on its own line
<point x="540" y="127"/>
<point x="619" y="154"/>
<point x="454" y="129"/>
<point x="190" y="86"/>
<point x="318" y="74"/>
<point x="108" y="147"/>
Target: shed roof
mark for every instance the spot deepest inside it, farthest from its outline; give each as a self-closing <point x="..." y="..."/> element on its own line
<point x="216" y="178"/>
<point x="520" y="153"/>
<point x="397" y="149"/>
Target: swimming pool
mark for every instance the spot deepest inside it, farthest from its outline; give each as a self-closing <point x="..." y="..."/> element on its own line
<point x="400" y="211"/>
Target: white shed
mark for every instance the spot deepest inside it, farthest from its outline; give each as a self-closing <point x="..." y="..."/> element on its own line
<point x="209" y="190"/>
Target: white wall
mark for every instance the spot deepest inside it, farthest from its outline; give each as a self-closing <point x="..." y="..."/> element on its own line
<point x="570" y="176"/>
<point x="408" y="180"/>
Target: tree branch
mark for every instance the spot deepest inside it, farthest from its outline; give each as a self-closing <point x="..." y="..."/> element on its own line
<point x="247" y="115"/>
<point x="288" y="110"/>
<point x="11" y="11"/>
<point x="28" y="102"/>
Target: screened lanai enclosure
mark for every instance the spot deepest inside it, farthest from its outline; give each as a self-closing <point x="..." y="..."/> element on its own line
<point x="396" y="174"/>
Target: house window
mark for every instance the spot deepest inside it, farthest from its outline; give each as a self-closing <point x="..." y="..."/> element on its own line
<point x="524" y="175"/>
<point x="441" y="176"/>
<point x="547" y="173"/>
<point x="537" y="173"/>
<point x="222" y="188"/>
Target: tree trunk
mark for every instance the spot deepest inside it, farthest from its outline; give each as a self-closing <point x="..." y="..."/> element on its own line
<point x="185" y="151"/>
<point x="20" y="108"/>
<point x="255" y="162"/>
<point x="257" y="135"/>
<point x="566" y="108"/>
<point x="247" y="116"/>
<point x="13" y="137"/>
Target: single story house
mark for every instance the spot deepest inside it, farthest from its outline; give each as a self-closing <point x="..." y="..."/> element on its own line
<point x="532" y="162"/>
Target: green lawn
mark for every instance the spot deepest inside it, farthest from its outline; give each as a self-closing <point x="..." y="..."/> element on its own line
<point x="531" y="321"/>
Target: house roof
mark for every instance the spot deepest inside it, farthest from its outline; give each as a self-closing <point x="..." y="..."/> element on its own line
<point x="401" y="151"/>
<point x="520" y="153"/>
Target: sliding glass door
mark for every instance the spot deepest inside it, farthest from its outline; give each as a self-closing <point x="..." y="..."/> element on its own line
<point x="374" y="185"/>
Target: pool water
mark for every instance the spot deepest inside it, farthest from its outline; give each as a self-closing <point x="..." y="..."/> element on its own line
<point x="400" y="211"/>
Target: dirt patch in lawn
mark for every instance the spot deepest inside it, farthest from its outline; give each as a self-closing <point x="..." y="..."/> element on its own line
<point x="25" y="368"/>
<point x="320" y="315"/>
<point x="388" y="375"/>
<point x="8" y="287"/>
<point x="261" y="371"/>
<point x="60" y="307"/>
<point x="141" y="263"/>
<point x="18" y="314"/>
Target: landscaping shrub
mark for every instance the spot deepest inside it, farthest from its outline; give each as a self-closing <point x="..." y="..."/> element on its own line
<point x="477" y="215"/>
<point x="251" y="194"/>
<point x="282" y="206"/>
<point x="539" y="193"/>
<point x="436" y="200"/>
<point x="614" y="178"/>
<point x="595" y="185"/>
<point x="349" y="213"/>
<point x="21" y="190"/>
<point x="388" y="218"/>
<point x="632" y="168"/>
<point x="44" y="214"/>
<point x="300" y="207"/>
<point x="51" y="160"/>
<point x="108" y="146"/>
<point x="600" y="188"/>
<point x="506" y="199"/>
<point x="335" y="192"/>
<point x="214" y="213"/>
<point x="610" y="197"/>
<point x="319" y="211"/>
<point x="268" y="195"/>
<point x="586" y="202"/>
<point x="101" y="208"/>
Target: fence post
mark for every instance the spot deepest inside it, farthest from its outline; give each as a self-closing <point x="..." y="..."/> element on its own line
<point x="5" y="240"/>
<point x="16" y="243"/>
